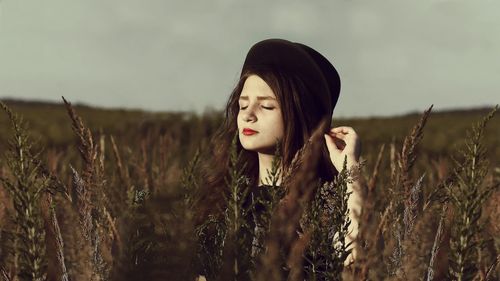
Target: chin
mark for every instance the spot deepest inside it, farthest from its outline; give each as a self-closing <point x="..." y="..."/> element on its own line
<point x="256" y="145"/>
<point x="250" y="147"/>
<point x="259" y="148"/>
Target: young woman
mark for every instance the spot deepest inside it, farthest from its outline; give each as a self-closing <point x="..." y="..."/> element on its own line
<point x="285" y="90"/>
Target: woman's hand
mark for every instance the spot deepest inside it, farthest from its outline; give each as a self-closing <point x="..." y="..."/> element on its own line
<point x="343" y="141"/>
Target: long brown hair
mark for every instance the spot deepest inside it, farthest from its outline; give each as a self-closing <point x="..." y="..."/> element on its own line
<point x="301" y="115"/>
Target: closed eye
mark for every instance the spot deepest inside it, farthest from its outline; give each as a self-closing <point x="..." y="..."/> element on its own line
<point x="265" y="107"/>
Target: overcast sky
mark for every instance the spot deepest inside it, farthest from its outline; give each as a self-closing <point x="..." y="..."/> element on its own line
<point x="393" y="56"/>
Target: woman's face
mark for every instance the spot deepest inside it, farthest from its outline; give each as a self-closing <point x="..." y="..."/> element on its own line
<point x="260" y="122"/>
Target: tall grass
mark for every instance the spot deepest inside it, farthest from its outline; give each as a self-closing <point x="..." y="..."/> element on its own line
<point x="127" y="213"/>
<point x="468" y="197"/>
<point x="26" y="187"/>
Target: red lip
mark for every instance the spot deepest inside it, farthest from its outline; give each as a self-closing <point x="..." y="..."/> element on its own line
<point x="247" y="131"/>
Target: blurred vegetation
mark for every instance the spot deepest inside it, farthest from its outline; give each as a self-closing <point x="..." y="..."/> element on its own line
<point x="48" y="123"/>
<point x="110" y="195"/>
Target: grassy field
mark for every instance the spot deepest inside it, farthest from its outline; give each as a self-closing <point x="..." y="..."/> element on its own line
<point x="110" y="196"/>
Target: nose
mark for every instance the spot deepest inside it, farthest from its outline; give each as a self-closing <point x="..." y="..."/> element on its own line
<point x="249" y="117"/>
<point x="249" y="114"/>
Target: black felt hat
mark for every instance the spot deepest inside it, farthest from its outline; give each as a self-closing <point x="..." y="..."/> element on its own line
<point x="318" y="74"/>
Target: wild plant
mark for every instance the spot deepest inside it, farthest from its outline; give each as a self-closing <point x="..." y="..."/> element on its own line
<point x="26" y="188"/>
<point x="131" y="216"/>
<point x="327" y="219"/>
<point x="467" y="197"/>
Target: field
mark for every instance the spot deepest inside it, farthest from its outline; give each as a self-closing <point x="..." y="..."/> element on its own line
<point x="108" y="194"/>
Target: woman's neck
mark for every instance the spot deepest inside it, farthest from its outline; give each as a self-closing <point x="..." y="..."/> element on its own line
<point x="266" y="163"/>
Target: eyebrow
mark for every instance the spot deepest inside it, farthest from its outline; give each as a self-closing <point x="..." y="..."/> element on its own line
<point x="258" y="98"/>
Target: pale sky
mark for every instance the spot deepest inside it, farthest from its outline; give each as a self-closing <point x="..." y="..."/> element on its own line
<point x="393" y="56"/>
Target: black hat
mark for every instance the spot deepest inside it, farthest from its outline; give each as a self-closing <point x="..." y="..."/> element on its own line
<point x="317" y="72"/>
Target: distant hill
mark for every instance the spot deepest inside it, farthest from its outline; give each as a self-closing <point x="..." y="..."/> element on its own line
<point x="34" y="104"/>
<point x="49" y="121"/>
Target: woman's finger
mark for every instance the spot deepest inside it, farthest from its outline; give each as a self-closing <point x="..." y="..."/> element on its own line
<point x="343" y="129"/>
<point x="339" y="142"/>
<point x="346" y="137"/>
<point x="330" y="144"/>
<point x="338" y="135"/>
